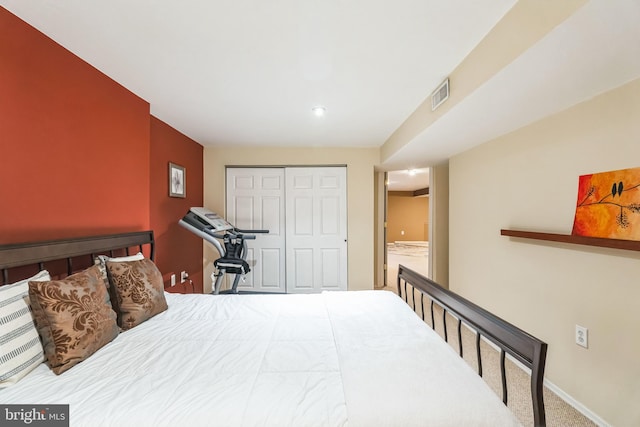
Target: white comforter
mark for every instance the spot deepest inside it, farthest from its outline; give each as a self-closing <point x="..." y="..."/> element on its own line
<point x="331" y="359"/>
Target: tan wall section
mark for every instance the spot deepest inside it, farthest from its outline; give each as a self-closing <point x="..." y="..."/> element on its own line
<point x="379" y="200"/>
<point x="439" y="239"/>
<point x="409" y="214"/>
<point x="528" y="180"/>
<point x="360" y="204"/>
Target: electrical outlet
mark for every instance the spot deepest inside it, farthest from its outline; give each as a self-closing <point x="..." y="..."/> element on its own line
<point x="173" y="280"/>
<point x="183" y="276"/>
<point x="582" y="336"/>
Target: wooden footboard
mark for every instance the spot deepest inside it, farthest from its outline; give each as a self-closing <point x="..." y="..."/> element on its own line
<point x="526" y="349"/>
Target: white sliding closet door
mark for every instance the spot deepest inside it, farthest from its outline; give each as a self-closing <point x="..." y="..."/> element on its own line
<point x="256" y="200"/>
<point x="305" y="209"/>
<point x="316" y="229"/>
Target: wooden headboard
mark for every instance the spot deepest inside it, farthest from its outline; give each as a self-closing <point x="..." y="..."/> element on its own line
<point x="77" y="252"/>
<point x="525" y="348"/>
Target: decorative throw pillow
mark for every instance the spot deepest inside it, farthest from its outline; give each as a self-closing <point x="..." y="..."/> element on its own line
<point x="139" y="291"/>
<point x="20" y="347"/>
<point x="101" y="261"/>
<point x="73" y="316"/>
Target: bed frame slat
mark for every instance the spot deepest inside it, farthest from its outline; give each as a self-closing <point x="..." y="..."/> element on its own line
<point x="460" y="337"/>
<point x="503" y="375"/>
<point x="444" y="324"/>
<point x="478" y="354"/>
<point x="525" y="348"/>
<point x="433" y="319"/>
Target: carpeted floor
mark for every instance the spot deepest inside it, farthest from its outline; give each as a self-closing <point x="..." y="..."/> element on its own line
<point x="558" y="412"/>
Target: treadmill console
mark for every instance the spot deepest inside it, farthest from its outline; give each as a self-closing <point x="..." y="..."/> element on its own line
<point x="203" y="218"/>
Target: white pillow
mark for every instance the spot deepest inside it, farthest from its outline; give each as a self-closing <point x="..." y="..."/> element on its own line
<point x="136" y="257"/>
<point x="20" y="347"/>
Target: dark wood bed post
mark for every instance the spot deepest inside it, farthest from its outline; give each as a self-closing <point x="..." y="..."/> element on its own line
<point x="525" y="348"/>
<point x="537" y="381"/>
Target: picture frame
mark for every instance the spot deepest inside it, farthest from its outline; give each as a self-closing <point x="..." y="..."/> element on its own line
<point x="177" y="181"/>
<point x="608" y="205"/>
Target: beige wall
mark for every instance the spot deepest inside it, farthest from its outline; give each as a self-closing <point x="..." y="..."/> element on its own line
<point x="409" y="214"/>
<point x="528" y="180"/>
<point x="360" y="192"/>
<point x="379" y="189"/>
<point x="439" y="234"/>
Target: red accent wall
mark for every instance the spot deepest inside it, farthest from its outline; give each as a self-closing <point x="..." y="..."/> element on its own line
<point x="80" y="154"/>
<point x="177" y="249"/>
<point x="74" y="156"/>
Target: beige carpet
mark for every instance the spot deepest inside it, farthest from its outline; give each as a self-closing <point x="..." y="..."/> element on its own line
<point x="558" y="412"/>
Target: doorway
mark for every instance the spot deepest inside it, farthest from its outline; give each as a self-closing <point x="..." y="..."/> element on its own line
<point x="407" y="223"/>
<point x="305" y="209"/>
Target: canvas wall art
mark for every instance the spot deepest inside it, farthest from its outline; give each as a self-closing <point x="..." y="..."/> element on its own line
<point x="609" y="205"/>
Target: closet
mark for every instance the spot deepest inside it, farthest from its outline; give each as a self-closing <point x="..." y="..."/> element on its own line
<point x="305" y="209"/>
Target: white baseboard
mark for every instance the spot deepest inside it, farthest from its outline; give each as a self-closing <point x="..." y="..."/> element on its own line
<point x="554" y="388"/>
<point x="562" y="394"/>
<point x="577" y="405"/>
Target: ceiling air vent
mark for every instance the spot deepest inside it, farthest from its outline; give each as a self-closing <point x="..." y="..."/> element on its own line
<point x="440" y="95"/>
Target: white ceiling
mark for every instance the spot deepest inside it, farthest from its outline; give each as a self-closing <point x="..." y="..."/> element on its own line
<point x="248" y="72"/>
<point x="408" y="179"/>
<point x="594" y="50"/>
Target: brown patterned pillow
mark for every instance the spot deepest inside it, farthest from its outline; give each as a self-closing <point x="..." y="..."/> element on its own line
<point x="73" y="317"/>
<point x="138" y="289"/>
<point x="101" y="261"/>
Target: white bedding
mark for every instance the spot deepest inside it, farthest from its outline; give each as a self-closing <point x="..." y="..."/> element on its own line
<point x="331" y="359"/>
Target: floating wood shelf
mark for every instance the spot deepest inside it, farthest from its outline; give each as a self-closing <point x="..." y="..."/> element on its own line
<point x="630" y="245"/>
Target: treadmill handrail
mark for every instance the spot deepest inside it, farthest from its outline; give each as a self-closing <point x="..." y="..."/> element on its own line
<point x="243" y="236"/>
<point x="252" y="231"/>
<point x="209" y="236"/>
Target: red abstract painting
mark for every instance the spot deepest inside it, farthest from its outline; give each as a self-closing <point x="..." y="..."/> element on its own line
<point x="609" y="205"/>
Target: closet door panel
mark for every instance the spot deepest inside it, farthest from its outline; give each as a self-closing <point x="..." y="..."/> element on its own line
<point x="316" y="212"/>
<point x="255" y="199"/>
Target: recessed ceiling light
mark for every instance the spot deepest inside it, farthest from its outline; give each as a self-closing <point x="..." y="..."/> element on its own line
<point x="319" y="110"/>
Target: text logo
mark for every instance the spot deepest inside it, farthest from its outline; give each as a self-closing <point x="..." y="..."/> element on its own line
<point x="34" y="415"/>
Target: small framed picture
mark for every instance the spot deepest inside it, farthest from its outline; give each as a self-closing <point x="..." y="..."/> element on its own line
<point x="177" y="181"/>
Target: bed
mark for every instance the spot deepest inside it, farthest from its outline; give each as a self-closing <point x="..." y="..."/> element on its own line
<point x="333" y="359"/>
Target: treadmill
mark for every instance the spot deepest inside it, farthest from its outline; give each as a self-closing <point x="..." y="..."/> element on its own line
<point x="229" y="241"/>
